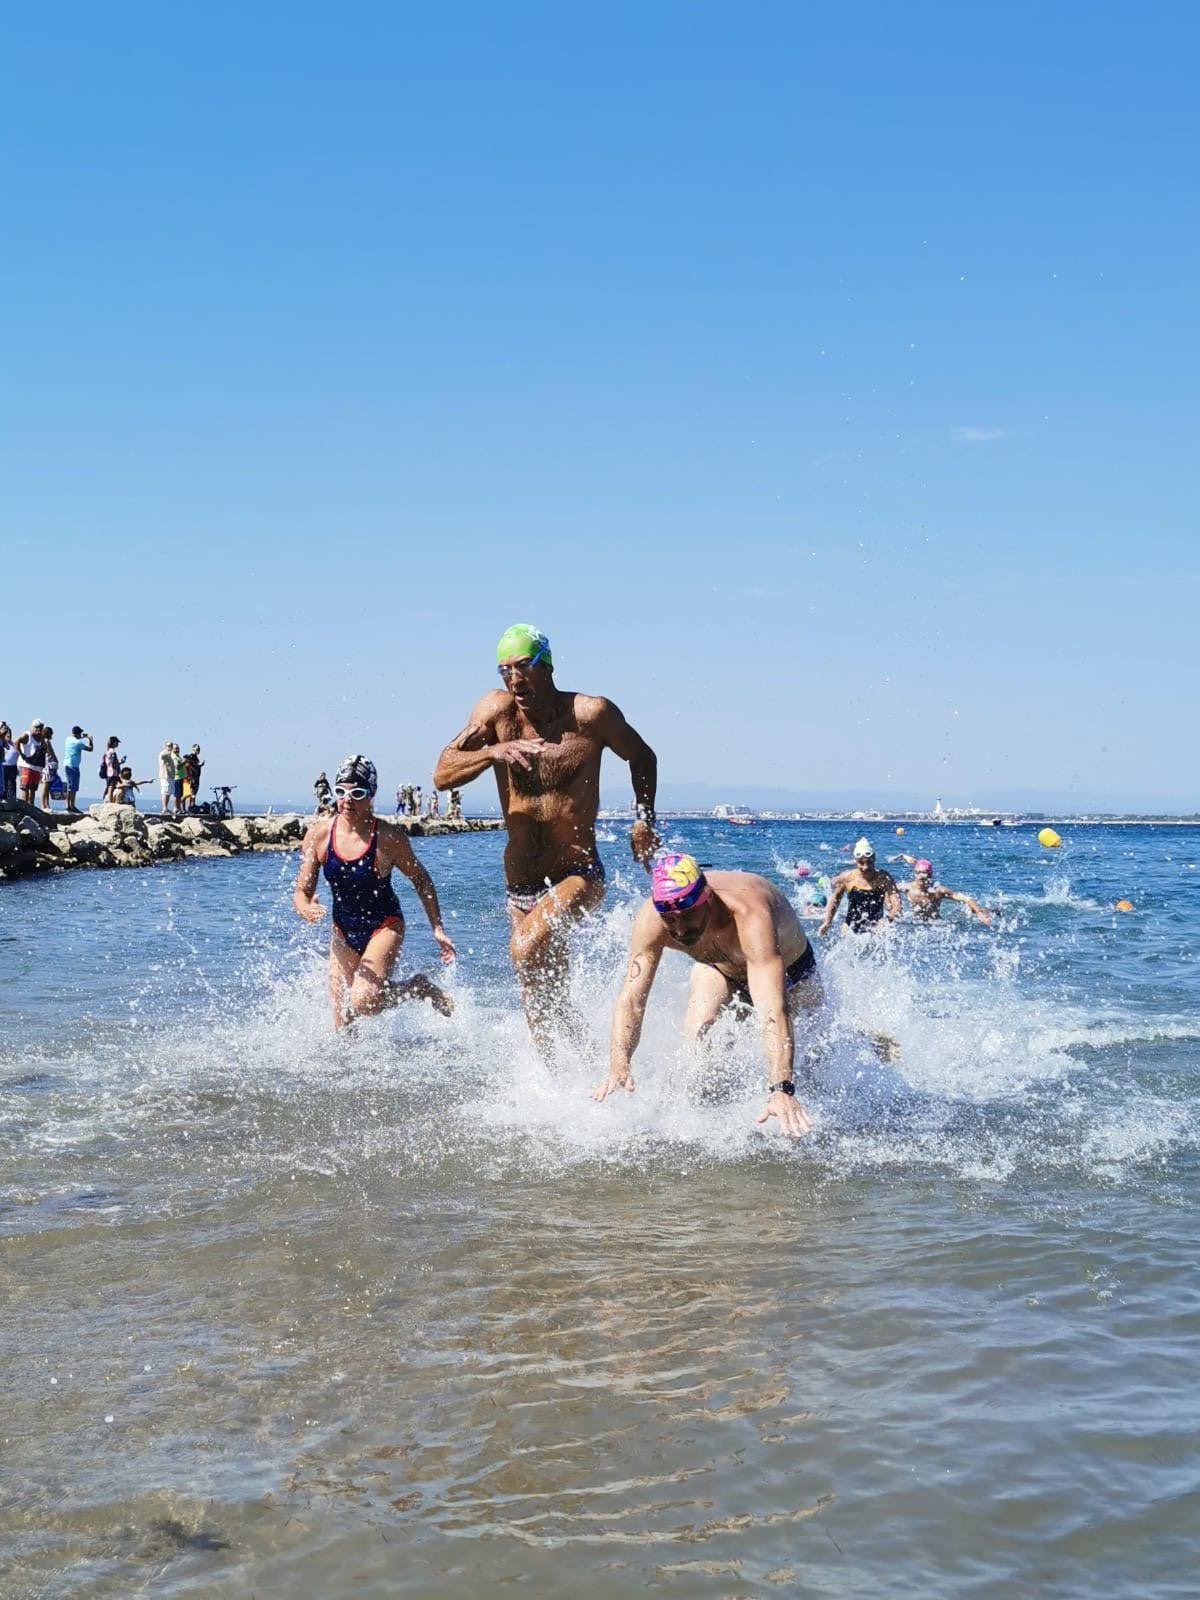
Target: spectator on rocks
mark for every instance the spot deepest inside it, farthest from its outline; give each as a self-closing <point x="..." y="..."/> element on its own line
<point x="454" y="809"/>
<point x="434" y="808"/>
<point x="8" y="758"/>
<point x="324" y="795"/>
<point x="416" y="801"/>
<point x="400" y="798"/>
<point x="110" y="766"/>
<point x="192" y="766"/>
<point x="51" y="783"/>
<point x="74" y="749"/>
<point x="124" y="790"/>
<point x="177" y="780"/>
<point x="166" y="776"/>
<point x="31" y="747"/>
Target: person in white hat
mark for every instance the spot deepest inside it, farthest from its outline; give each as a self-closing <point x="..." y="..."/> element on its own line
<point x="869" y="892"/>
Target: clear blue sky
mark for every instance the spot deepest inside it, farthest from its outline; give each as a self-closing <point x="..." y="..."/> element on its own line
<point x="821" y="378"/>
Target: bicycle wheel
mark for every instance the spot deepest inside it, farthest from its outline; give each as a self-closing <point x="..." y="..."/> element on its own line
<point x="226" y="806"/>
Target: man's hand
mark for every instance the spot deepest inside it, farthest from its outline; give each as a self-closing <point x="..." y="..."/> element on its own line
<point x="445" y="944"/>
<point x="310" y="910"/>
<point x="516" y="753"/>
<point x="644" y="842"/>
<point x="822" y="930"/>
<point x="793" y="1119"/>
<point x="615" y="1080"/>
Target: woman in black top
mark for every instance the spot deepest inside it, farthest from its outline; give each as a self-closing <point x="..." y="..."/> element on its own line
<point x="870" y="893"/>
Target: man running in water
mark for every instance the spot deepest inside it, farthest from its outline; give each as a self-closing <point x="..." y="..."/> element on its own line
<point x="925" y="896"/>
<point x="357" y="852"/>
<point x="544" y="745"/>
<point x="868" y="890"/>
<point x="750" y="952"/>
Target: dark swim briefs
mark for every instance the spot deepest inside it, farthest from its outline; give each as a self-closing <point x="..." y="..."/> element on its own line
<point x="523" y="897"/>
<point x="803" y="968"/>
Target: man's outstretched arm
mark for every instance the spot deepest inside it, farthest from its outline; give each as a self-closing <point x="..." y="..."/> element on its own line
<point x="765" y="980"/>
<point x="630" y="1009"/>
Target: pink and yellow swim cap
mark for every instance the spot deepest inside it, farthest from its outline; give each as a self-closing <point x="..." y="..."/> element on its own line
<point x="677" y="882"/>
<point x="923" y="868"/>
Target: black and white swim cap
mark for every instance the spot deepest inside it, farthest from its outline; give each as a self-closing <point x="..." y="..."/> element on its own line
<point x="356" y="770"/>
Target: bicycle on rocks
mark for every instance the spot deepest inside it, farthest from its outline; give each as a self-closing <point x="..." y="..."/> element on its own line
<point x="222" y="806"/>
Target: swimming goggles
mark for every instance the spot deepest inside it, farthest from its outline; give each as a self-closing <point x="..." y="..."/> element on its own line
<point x="358" y="792"/>
<point x="507" y="668"/>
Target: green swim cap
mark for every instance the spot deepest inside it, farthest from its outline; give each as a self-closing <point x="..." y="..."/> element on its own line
<point x="523" y="639"/>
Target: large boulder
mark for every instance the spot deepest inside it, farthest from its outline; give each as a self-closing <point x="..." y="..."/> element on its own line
<point x="32" y="834"/>
<point x="119" y="819"/>
<point x="285" y="829"/>
<point x="10" y="841"/>
<point x="88" y="846"/>
<point x="241" y="830"/>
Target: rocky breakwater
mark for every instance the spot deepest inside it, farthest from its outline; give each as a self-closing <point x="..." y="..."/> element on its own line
<point x="33" y="841"/>
<point x="119" y="836"/>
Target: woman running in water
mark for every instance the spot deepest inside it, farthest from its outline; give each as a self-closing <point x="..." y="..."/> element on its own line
<point x="869" y="893"/>
<point x="357" y="851"/>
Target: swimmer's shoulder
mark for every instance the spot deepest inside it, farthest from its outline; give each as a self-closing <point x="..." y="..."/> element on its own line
<point x="316" y="836"/>
<point x="392" y="836"/>
<point x="495" y="703"/>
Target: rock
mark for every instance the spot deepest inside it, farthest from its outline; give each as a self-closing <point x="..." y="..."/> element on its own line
<point x="32" y="833"/>
<point x="86" y="848"/>
<point x="119" y="819"/>
<point x="240" y="829"/>
<point x="10" y="841"/>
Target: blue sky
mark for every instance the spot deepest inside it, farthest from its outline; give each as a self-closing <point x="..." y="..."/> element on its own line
<point x="820" y="378"/>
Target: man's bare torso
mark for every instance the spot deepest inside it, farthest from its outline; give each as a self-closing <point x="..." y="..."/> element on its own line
<point x="550" y="809"/>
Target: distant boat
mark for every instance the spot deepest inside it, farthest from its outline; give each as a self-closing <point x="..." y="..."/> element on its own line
<point x="735" y="814"/>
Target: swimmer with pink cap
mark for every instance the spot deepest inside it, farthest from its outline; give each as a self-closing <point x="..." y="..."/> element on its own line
<point x="677" y="883"/>
<point x="750" y="955"/>
<point x="925" y="897"/>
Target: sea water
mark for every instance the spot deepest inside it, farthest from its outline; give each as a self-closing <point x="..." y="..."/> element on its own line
<point x="286" y="1314"/>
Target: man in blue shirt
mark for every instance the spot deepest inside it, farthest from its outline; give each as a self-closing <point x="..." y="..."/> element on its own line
<point x="73" y="750"/>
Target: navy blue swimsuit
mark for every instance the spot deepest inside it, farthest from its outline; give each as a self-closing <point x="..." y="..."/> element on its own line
<point x="363" y="902"/>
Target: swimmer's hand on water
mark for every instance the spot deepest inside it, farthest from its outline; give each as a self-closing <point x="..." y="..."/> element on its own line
<point x="516" y="753"/>
<point x="310" y="910"/>
<point x="445" y="944"/>
<point x="615" y="1080"/>
<point x="792" y="1117"/>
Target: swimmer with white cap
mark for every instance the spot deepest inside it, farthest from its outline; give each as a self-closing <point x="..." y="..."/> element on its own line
<point x="544" y="745"/>
<point x="751" y="954"/>
<point x="925" y="896"/>
<point x="869" y="892"/>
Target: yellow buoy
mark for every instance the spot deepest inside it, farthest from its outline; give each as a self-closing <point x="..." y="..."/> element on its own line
<point x="1049" y="838"/>
<point x="899" y="830"/>
<point x="1123" y="905"/>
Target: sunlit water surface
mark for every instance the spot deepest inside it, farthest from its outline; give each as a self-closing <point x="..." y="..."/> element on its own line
<point x="286" y="1315"/>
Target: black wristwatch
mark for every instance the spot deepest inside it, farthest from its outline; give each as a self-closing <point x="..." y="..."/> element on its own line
<point x="785" y="1086"/>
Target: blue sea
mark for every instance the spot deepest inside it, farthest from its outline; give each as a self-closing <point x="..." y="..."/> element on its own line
<point x="405" y="1313"/>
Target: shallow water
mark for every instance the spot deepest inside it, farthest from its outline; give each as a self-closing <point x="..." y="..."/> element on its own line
<point x="407" y="1314"/>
